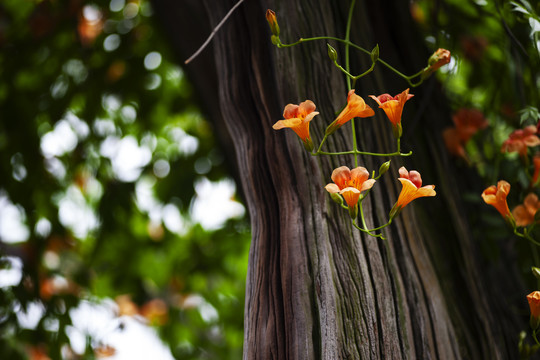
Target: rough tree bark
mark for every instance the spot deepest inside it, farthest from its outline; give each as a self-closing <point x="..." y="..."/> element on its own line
<point x="317" y="288"/>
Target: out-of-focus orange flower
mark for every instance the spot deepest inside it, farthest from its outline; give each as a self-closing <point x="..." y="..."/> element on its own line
<point x="116" y="71"/>
<point x="474" y="47"/>
<point x="350" y="183"/>
<point x="297" y="118"/>
<point x="468" y="122"/>
<point x="524" y="214"/>
<point x="104" y="351"/>
<point x="536" y="163"/>
<point x="57" y="285"/>
<point x="90" y="25"/>
<point x="534" y="304"/>
<point x="412" y="189"/>
<point x="37" y="353"/>
<point x="155" y="311"/>
<point x="417" y="13"/>
<point x="520" y="139"/>
<point x="496" y="196"/>
<point x="393" y="107"/>
<point x="453" y="142"/>
<point x="126" y="306"/>
<point x="356" y="107"/>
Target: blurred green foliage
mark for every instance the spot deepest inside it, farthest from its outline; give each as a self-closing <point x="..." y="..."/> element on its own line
<point x="104" y="159"/>
<point x="495" y="70"/>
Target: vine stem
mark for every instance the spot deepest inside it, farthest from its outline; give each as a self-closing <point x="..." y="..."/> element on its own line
<point x="357" y="152"/>
<point x="347" y="68"/>
<point x="349" y="43"/>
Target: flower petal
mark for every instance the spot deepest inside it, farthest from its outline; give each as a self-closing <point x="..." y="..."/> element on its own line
<point x="305" y="108"/>
<point x="351" y="196"/>
<point x="310" y="116"/>
<point x="359" y="175"/>
<point x="332" y="188"/>
<point x="340" y="176"/>
<point x="368" y="184"/>
<point x="287" y="123"/>
<point x="290" y="111"/>
<point x="403" y="173"/>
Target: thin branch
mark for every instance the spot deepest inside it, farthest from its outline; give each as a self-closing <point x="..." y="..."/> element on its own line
<point x="214" y="32"/>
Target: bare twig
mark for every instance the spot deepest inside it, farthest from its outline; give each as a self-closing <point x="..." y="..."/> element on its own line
<point x="214" y="32"/>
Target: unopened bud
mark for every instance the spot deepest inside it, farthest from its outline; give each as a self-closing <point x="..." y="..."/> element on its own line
<point x="536" y="272"/>
<point x="384" y="167"/>
<point x="272" y="21"/>
<point x="337" y="198"/>
<point x="439" y="58"/>
<point x="332" y="53"/>
<point x="375" y="53"/>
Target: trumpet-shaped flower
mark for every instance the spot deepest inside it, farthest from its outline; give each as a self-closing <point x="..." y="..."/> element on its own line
<point x="496" y="196"/>
<point x="297" y="118"/>
<point x="524" y="214"/>
<point x="520" y="139"/>
<point x="393" y="107"/>
<point x="412" y="189"/>
<point x="453" y="142"/>
<point x="356" y="107"/>
<point x="534" y="304"/>
<point x="350" y="183"/>
<point x="467" y="122"/>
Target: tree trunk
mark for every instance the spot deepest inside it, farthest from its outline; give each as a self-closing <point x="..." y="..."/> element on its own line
<point x="317" y="288"/>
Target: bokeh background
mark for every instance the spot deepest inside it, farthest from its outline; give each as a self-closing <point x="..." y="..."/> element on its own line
<point x="122" y="231"/>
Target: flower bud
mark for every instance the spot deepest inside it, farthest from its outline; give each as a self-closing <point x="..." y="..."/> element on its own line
<point x="332" y="53"/>
<point x="439" y="58"/>
<point x="536" y="272"/>
<point x="384" y="168"/>
<point x="337" y="198"/>
<point x="272" y="21"/>
<point x="375" y="53"/>
<point x="534" y="304"/>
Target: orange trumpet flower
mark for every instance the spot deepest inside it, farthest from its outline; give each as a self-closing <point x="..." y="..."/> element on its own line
<point x="524" y="213"/>
<point x="393" y="107"/>
<point x="412" y="189"/>
<point x="356" y="107"/>
<point x="297" y="118"/>
<point x="350" y="184"/>
<point x="496" y="197"/>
